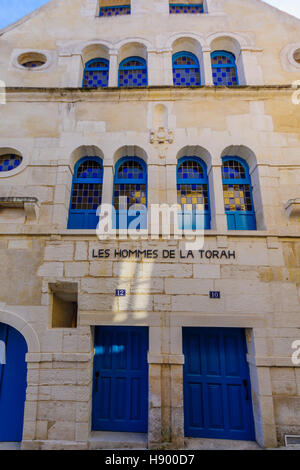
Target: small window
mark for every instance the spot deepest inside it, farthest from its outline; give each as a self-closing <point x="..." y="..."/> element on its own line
<point x="192" y="8"/>
<point x="237" y="189"/>
<point x="9" y="162"/>
<point x="186" y="71"/>
<point x="296" y="56"/>
<point x="224" y="69"/>
<point x="96" y="73"/>
<point x="130" y="193"/>
<point x="64" y="311"/>
<point x="32" y="60"/>
<point x="133" y="72"/>
<point x="118" y="10"/>
<point x="192" y="194"/>
<point x="86" y="193"/>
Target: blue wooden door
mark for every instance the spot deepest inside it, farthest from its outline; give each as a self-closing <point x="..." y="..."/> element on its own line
<point x="13" y="371"/>
<point x="120" y="389"/>
<point x="217" y="393"/>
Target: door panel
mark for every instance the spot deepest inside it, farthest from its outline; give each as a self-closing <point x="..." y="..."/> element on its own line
<point x="217" y="395"/>
<point x="12" y="385"/>
<point x="120" y="391"/>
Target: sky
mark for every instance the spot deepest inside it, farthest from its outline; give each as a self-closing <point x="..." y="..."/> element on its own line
<point x="12" y="10"/>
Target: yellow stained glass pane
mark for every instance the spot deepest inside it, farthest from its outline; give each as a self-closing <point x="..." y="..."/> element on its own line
<point x="237" y="200"/>
<point x="143" y="200"/>
<point x="226" y="200"/>
<point x="138" y="194"/>
<point x="232" y="207"/>
<point x="200" y="207"/>
<point x="194" y="200"/>
<point x="183" y="200"/>
<point x="189" y="207"/>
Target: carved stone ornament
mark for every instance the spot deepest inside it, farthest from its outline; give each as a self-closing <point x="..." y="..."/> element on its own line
<point x="160" y="138"/>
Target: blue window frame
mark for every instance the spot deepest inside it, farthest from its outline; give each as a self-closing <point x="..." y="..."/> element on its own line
<point x="86" y="193"/>
<point x="237" y="190"/>
<point x="133" y="72"/>
<point x="130" y="193"/>
<point x="194" y="8"/>
<point x="96" y="73"/>
<point x="118" y="10"/>
<point x="193" y="194"/>
<point x="224" y="69"/>
<point x="186" y="70"/>
<point x="9" y="162"/>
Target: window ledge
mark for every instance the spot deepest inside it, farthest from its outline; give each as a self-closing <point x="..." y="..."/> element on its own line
<point x="30" y="205"/>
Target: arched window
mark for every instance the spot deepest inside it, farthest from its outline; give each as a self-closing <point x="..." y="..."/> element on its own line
<point x="9" y="162"/>
<point x="192" y="194"/>
<point x="237" y="190"/>
<point x="86" y="193"/>
<point x="133" y="72"/>
<point x="224" y="69"/>
<point x="186" y="71"/>
<point x="130" y="193"/>
<point x="96" y="73"/>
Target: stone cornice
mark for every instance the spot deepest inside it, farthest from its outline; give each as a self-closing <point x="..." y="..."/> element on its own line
<point x="35" y="94"/>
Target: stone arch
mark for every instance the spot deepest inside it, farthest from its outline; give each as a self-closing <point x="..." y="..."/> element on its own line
<point x="185" y="35"/>
<point x="233" y="43"/>
<point x="131" y="151"/>
<point x="241" y="151"/>
<point x="26" y="330"/>
<point x="85" y="151"/>
<point x="133" y="48"/>
<point x="95" y="51"/>
<point x="196" y="151"/>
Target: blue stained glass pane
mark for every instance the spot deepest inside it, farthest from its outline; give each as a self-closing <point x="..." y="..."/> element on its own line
<point x="115" y="11"/>
<point x="189" y="8"/>
<point x="130" y="169"/>
<point x="135" y="77"/>
<point x="183" y="74"/>
<point x="89" y="168"/>
<point x="95" y="79"/>
<point x="9" y="162"/>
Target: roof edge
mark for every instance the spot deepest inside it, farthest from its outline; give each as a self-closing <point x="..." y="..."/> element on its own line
<point x="272" y="7"/>
<point x="28" y="17"/>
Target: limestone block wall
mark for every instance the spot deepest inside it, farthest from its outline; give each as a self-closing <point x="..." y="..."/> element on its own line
<point x="259" y="291"/>
<point x="73" y="32"/>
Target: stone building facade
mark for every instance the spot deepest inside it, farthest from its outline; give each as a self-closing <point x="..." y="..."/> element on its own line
<point x="58" y="284"/>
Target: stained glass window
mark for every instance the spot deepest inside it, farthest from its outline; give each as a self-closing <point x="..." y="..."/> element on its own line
<point x="186" y="71"/>
<point x="96" y="73"/>
<point x="130" y="189"/>
<point x="86" y="194"/>
<point x="9" y="162"/>
<point x="224" y="69"/>
<point x="237" y="192"/>
<point x="118" y="10"/>
<point x="178" y="8"/>
<point x="32" y="64"/>
<point x="192" y="194"/>
<point x="133" y="72"/>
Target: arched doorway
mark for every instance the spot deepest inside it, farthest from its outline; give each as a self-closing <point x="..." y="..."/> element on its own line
<point x="13" y="372"/>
